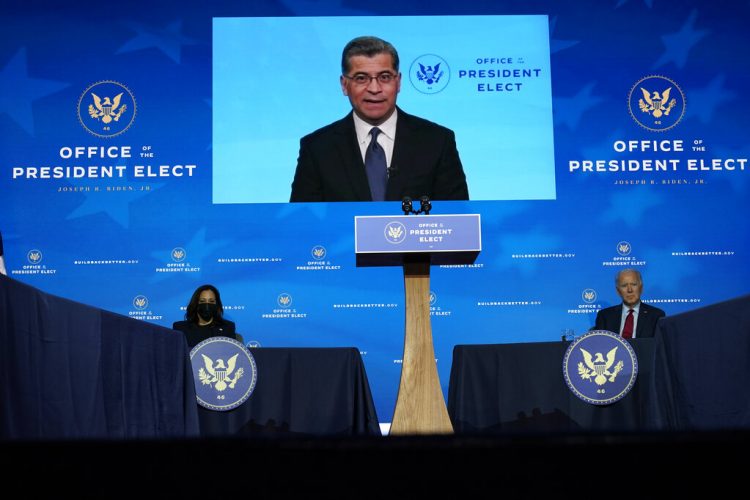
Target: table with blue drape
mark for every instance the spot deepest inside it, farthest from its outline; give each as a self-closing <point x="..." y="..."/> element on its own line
<point x="70" y="371"/>
<point x="302" y="392"/>
<point x="521" y="387"/>
<point x="702" y="368"/>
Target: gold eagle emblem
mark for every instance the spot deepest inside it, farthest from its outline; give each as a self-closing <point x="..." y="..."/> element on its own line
<point x="656" y="104"/>
<point x="219" y="373"/>
<point x="107" y="109"/>
<point x="597" y="368"/>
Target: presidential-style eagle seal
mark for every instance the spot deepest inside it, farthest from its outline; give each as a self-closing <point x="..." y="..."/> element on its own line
<point x="224" y="372"/>
<point x="656" y="103"/>
<point x="394" y="232"/>
<point x="106" y="108"/>
<point x="429" y="74"/>
<point x="600" y="367"/>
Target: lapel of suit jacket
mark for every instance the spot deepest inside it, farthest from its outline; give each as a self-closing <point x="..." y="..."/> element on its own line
<point x="402" y="150"/>
<point x="347" y="147"/>
<point x="615" y="319"/>
<point x="643" y="318"/>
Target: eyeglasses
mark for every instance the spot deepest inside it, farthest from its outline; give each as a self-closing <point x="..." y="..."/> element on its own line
<point x="364" y="79"/>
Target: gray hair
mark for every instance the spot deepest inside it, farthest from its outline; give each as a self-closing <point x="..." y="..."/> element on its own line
<point x="630" y="270"/>
<point x="368" y="46"/>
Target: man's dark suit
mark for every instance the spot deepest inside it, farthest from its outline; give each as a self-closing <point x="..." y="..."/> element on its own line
<point x="611" y="317"/>
<point x="425" y="162"/>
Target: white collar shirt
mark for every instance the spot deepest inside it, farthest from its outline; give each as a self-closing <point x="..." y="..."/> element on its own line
<point x="386" y="138"/>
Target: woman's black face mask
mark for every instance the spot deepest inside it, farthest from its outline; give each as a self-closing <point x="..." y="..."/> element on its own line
<point x="207" y="311"/>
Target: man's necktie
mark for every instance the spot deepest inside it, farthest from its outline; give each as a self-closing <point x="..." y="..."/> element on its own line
<point x="627" y="330"/>
<point x="375" y="166"/>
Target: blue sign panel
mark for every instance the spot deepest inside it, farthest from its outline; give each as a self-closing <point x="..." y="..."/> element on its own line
<point x="429" y="233"/>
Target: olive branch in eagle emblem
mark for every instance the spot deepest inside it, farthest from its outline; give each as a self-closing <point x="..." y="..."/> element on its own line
<point x="656" y="104"/>
<point x="106" y="109"/>
<point x="597" y="368"/>
<point x="218" y="373"/>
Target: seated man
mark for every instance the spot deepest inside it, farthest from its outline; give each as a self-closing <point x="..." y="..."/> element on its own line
<point x="632" y="318"/>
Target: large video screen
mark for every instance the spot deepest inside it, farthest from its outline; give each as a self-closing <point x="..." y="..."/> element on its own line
<point x="485" y="77"/>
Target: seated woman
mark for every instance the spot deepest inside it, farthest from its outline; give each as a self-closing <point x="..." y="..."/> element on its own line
<point x="204" y="317"/>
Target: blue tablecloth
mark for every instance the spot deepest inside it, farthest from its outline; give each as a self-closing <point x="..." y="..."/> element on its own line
<point x="70" y="371"/>
<point x="702" y="368"/>
<point x="520" y="387"/>
<point x="301" y="391"/>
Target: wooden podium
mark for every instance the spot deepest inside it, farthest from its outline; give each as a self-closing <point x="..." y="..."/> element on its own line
<point x="416" y="243"/>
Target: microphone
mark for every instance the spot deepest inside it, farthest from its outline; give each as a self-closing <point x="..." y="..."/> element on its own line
<point x="425" y="205"/>
<point x="406" y="205"/>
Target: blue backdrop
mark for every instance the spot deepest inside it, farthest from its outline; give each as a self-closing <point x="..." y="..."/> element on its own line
<point x="134" y="229"/>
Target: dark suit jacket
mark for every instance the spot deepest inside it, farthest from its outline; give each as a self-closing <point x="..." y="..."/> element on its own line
<point x="610" y="318"/>
<point x="196" y="334"/>
<point x="425" y="162"/>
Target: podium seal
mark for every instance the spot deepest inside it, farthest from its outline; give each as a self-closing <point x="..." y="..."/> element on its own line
<point x="600" y="367"/>
<point x="224" y="373"/>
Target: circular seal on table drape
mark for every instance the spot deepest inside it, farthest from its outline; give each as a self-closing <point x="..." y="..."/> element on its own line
<point x="224" y="373"/>
<point x="600" y="367"/>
